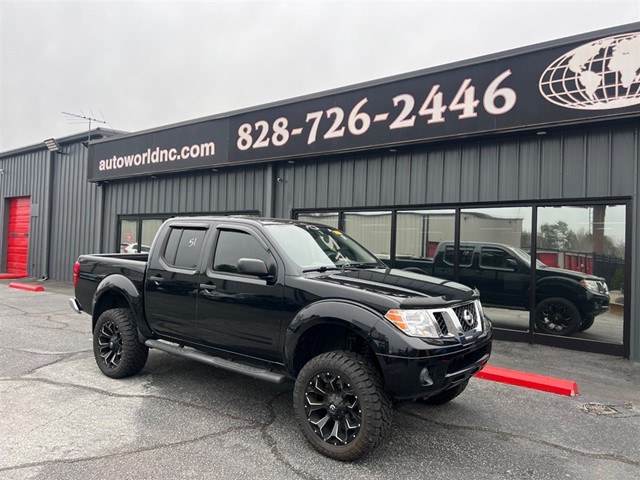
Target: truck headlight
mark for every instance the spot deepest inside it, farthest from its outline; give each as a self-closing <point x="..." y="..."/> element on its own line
<point x="415" y="323"/>
<point x="593" y="286"/>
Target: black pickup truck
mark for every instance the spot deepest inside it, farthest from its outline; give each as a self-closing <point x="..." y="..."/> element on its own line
<point x="566" y="301"/>
<point x="284" y="300"/>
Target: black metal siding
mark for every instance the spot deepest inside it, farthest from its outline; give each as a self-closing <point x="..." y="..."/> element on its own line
<point x="75" y="212"/>
<point x="206" y="191"/>
<point x="565" y="164"/>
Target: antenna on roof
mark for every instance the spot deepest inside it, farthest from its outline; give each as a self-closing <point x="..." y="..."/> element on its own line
<point x="75" y="118"/>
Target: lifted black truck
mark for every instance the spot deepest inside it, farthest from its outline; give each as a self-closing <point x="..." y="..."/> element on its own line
<point x="566" y="301"/>
<point x="284" y="300"/>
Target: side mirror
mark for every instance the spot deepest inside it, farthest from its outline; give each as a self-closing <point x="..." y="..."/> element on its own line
<point x="253" y="266"/>
<point x="511" y="263"/>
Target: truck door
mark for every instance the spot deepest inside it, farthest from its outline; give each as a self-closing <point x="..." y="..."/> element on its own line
<point x="236" y="312"/>
<point x="506" y="281"/>
<point x="171" y="289"/>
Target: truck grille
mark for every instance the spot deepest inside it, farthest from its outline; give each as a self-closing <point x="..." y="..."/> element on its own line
<point x="461" y="320"/>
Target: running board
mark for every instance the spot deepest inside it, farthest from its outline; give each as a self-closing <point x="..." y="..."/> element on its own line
<point x="259" y="373"/>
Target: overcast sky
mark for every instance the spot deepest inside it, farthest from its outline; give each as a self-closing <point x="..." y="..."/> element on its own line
<point x="146" y="64"/>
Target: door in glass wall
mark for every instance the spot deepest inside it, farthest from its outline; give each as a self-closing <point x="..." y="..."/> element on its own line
<point x="580" y="286"/>
<point x="371" y="229"/>
<point x="494" y="258"/>
<point x="420" y="236"/>
<point x="128" y="236"/>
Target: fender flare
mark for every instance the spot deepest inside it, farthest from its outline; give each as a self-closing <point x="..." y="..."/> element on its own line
<point x="120" y="285"/>
<point x="559" y="286"/>
<point x="355" y="317"/>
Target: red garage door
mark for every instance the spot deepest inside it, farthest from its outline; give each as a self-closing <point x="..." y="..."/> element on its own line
<point x="18" y="244"/>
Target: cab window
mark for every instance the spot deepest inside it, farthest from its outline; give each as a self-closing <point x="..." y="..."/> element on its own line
<point x="495" y="258"/>
<point x="232" y="246"/>
<point x="183" y="247"/>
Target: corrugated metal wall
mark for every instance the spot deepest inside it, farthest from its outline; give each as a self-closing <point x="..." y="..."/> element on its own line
<point x="204" y="191"/>
<point x="570" y="163"/>
<point x="75" y="212"/>
<point x="26" y="175"/>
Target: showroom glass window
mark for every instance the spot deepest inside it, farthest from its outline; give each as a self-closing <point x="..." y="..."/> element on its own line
<point x="496" y="243"/>
<point x="587" y="244"/>
<point x="418" y="235"/>
<point x="371" y="229"/>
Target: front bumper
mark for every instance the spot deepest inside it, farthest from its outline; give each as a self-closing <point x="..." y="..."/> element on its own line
<point x="423" y="376"/>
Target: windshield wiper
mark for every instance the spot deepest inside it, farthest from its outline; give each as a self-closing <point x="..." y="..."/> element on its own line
<point x="360" y="265"/>
<point x="324" y="268"/>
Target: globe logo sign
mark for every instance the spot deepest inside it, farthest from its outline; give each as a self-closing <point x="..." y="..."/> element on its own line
<point x="600" y="75"/>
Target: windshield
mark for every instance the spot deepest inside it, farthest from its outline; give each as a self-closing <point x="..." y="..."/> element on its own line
<point x="526" y="258"/>
<point x="316" y="247"/>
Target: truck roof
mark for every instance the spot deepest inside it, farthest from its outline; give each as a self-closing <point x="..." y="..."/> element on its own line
<point x="242" y="219"/>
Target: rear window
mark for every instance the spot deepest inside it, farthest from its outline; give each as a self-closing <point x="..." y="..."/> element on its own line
<point x="183" y="247"/>
<point x="465" y="256"/>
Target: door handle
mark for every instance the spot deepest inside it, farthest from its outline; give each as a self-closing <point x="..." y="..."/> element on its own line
<point x="156" y="279"/>
<point x="207" y="286"/>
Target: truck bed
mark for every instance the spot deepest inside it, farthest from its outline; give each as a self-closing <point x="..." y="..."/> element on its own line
<point x="95" y="268"/>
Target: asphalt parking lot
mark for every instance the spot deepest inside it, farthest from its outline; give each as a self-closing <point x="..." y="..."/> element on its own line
<point x="61" y="418"/>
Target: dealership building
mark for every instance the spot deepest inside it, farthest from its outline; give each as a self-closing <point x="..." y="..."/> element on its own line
<point x="535" y="148"/>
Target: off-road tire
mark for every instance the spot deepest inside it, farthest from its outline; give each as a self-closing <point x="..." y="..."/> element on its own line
<point x="446" y="395"/>
<point x="116" y="347"/>
<point x="353" y="387"/>
<point x="557" y="316"/>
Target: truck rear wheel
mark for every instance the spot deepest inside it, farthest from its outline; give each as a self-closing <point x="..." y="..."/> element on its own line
<point x="557" y="316"/>
<point x="341" y="405"/>
<point x="116" y="348"/>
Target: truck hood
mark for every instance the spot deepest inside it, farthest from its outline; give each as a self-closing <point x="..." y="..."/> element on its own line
<point x="411" y="290"/>
<point x="561" y="272"/>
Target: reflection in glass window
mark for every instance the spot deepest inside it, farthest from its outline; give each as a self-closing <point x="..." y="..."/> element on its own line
<point x="128" y="236"/>
<point x="586" y="246"/>
<point x="465" y="258"/>
<point x="371" y="229"/>
<point x="325" y="218"/>
<point x="492" y="258"/>
<point x="150" y="227"/>
<point x="189" y="248"/>
<point x="234" y="245"/>
<point x="502" y="271"/>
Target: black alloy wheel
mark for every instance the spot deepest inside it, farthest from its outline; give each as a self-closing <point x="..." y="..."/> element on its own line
<point x="341" y="405"/>
<point x="557" y="316"/>
<point x="110" y="344"/>
<point x="587" y="323"/>
<point x="332" y="408"/>
<point x="116" y="347"/>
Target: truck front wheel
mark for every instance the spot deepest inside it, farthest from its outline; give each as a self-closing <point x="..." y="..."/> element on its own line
<point x="341" y="405"/>
<point x="557" y="316"/>
<point x="116" y="348"/>
<point x="587" y="323"/>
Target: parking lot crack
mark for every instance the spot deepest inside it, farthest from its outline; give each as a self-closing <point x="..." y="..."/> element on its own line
<point x="255" y="424"/>
<point x="132" y="452"/>
<point x="596" y="456"/>
<point x="273" y="444"/>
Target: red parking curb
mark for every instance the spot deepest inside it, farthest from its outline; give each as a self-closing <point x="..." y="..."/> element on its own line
<point x="568" y="388"/>
<point x="12" y="276"/>
<point x="26" y="286"/>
